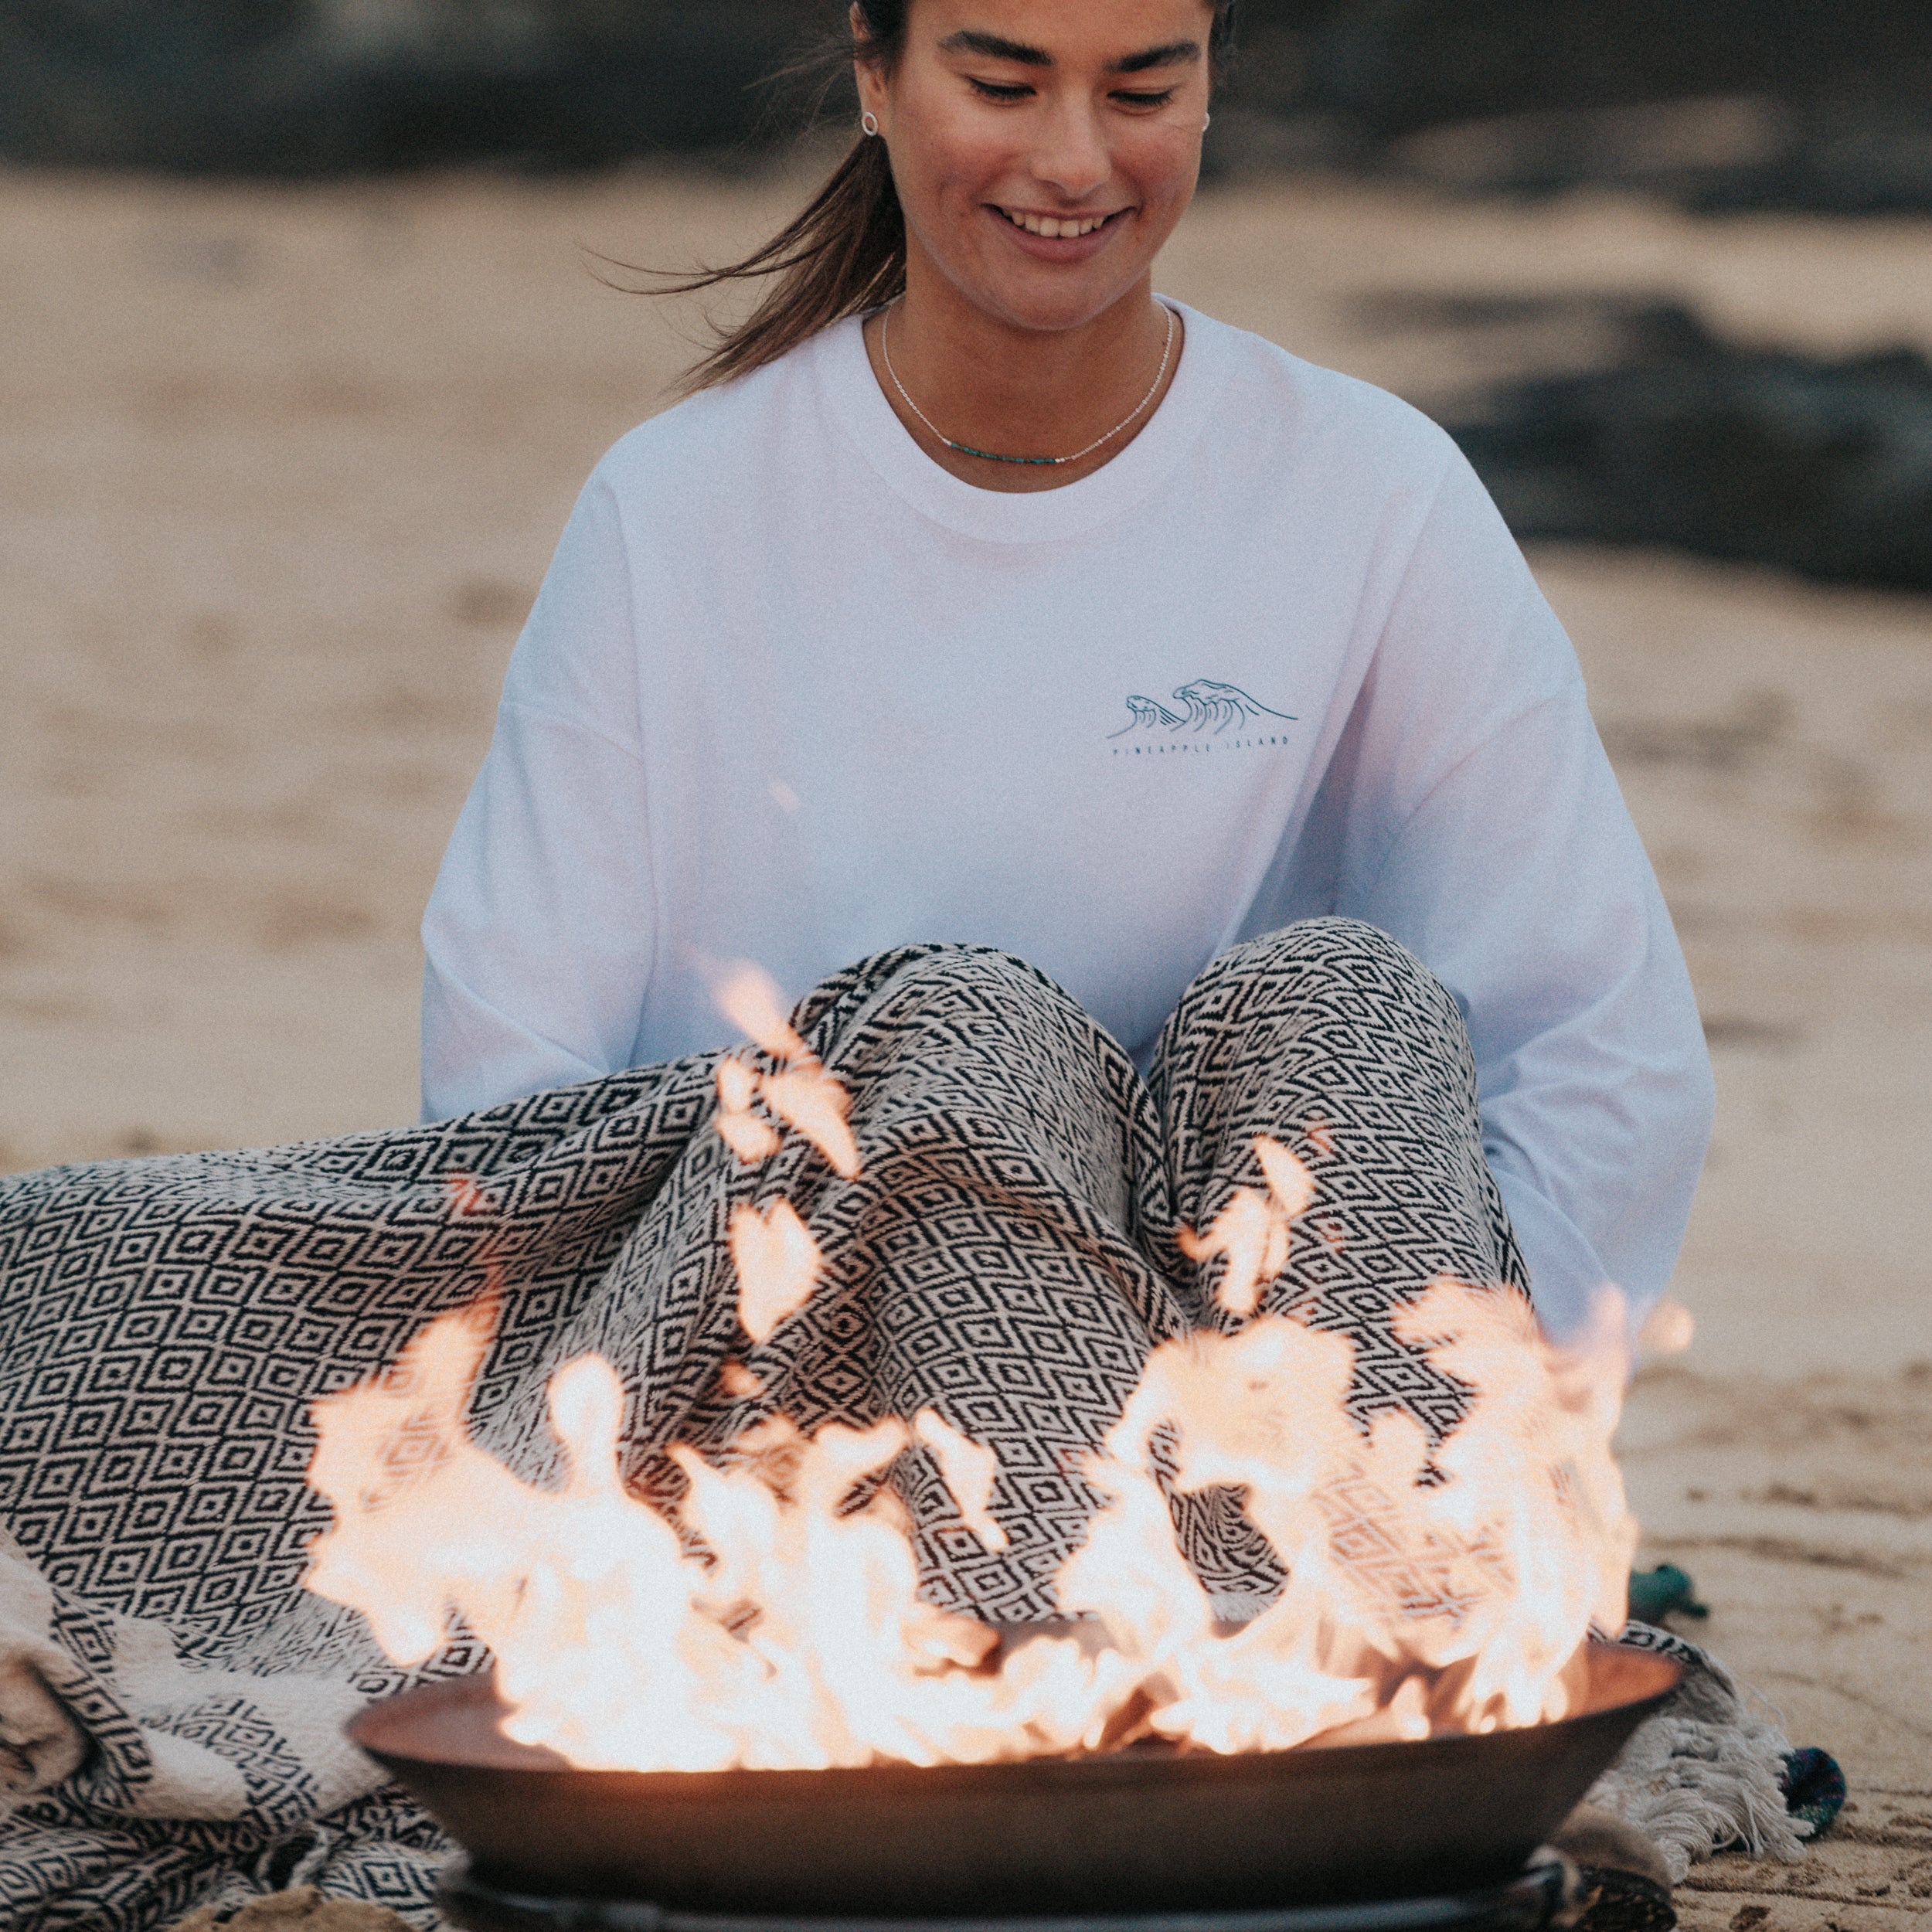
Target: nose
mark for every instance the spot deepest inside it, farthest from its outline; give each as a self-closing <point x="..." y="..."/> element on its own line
<point x="1070" y="155"/>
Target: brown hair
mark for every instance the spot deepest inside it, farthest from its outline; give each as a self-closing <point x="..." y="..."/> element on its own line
<point x="845" y="253"/>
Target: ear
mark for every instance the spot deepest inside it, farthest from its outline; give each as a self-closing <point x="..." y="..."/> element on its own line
<point x="871" y="82"/>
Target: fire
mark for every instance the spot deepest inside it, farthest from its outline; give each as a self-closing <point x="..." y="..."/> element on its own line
<point x="1669" y="1329"/>
<point x="778" y="1263"/>
<point x="773" y="1622"/>
<point x="802" y="1092"/>
<point x="1252" y="1230"/>
<point x="969" y="1469"/>
<point x="797" y="1640"/>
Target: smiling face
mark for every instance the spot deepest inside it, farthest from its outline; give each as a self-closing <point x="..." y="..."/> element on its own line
<point x="1043" y="150"/>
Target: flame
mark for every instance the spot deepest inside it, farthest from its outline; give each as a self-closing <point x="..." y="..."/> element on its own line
<point x="778" y="1263"/>
<point x="796" y="1639"/>
<point x="812" y="1100"/>
<point x="1668" y="1329"/>
<point x="466" y="1197"/>
<point x="1425" y="1593"/>
<point x="751" y="1001"/>
<point x="801" y="1093"/>
<point x="1253" y="1229"/>
<point x="750" y="1138"/>
<point x="774" y="1621"/>
<point x="968" y="1469"/>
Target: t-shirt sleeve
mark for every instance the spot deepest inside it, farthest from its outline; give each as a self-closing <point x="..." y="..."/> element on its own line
<point x="1483" y="828"/>
<point x="538" y="938"/>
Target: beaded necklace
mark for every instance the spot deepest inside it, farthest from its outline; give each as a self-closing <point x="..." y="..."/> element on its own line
<point x="988" y="456"/>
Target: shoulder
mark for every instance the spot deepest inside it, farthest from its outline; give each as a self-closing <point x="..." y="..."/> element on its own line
<point x="669" y="495"/>
<point x="700" y="444"/>
<point x="1343" y="454"/>
<point x="1288" y="411"/>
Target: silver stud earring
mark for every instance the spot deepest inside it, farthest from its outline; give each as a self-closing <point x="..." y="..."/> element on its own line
<point x="869" y="123"/>
<point x="1205" y="119"/>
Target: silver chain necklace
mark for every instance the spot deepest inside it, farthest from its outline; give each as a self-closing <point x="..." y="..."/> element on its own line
<point x="988" y="456"/>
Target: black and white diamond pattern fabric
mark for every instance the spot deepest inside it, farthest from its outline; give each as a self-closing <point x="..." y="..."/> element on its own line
<point x="170" y="1699"/>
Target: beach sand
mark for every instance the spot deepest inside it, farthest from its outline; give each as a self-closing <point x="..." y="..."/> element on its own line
<point x="281" y="469"/>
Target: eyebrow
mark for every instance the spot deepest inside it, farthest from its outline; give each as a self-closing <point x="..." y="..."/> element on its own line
<point x="991" y="47"/>
<point x="1176" y="53"/>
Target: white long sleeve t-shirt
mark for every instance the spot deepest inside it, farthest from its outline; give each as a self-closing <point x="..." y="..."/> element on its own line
<point x="791" y="693"/>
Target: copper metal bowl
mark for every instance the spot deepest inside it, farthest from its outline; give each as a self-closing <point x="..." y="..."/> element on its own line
<point x="1143" y="1830"/>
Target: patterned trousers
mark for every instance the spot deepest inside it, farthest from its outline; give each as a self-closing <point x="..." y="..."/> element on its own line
<point x="1008" y="1255"/>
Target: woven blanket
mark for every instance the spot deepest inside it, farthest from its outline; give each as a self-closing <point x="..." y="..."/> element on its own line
<point x="172" y="1699"/>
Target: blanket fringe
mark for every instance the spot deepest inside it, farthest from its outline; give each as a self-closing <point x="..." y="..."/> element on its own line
<point x="1706" y="1773"/>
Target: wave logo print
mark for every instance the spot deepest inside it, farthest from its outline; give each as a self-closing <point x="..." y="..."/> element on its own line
<point x="1208" y="710"/>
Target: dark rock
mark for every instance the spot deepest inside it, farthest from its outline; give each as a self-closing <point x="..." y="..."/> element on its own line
<point x="1533" y="88"/>
<point x="1402" y="65"/>
<point x="295" y="87"/>
<point x="1711" y="154"/>
<point x="1756" y="455"/>
<point x="1822" y="105"/>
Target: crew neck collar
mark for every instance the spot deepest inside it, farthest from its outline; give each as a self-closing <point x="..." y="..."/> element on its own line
<point x="1035" y="516"/>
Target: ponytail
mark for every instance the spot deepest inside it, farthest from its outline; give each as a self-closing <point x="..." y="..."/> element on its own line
<point x="846" y="253"/>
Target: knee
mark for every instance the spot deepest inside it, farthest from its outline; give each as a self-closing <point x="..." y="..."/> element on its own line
<point x="974" y="991"/>
<point x="1346" y="960"/>
<point x="965" y="996"/>
<point x="955" y="973"/>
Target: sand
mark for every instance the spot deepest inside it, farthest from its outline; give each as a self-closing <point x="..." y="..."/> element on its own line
<point x="281" y="469"/>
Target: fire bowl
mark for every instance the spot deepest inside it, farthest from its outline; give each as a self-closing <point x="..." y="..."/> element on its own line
<point x="1146" y="1830"/>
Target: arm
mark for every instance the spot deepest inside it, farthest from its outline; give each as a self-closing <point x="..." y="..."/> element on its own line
<point x="1486" y="833"/>
<point x="1520" y="881"/>
<point x="538" y="937"/>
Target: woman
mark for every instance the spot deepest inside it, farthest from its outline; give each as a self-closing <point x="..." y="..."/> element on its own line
<point x="1126" y="698"/>
<point x="977" y="595"/>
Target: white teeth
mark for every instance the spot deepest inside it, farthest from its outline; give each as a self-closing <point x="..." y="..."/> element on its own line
<point x="1052" y="228"/>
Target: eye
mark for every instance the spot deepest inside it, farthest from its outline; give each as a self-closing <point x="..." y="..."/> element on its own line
<point x="998" y="90"/>
<point x="1145" y="101"/>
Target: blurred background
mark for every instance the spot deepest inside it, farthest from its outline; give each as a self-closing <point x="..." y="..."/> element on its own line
<point x="302" y="362"/>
